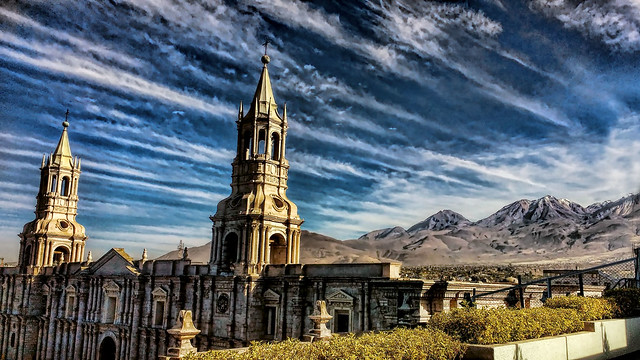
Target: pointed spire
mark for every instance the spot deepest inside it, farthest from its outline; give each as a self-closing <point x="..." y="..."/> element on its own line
<point x="62" y="155"/>
<point x="240" y="111"/>
<point x="263" y="97"/>
<point x="284" y="113"/>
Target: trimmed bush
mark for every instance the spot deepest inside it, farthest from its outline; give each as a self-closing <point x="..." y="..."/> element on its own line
<point x="496" y="326"/>
<point x="589" y="308"/>
<point x="627" y="301"/>
<point x="399" y="344"/>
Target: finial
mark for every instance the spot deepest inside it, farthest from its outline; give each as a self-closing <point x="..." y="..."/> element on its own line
<point x="240" y="111"/>
<point x="144" y="255"/>
<point x="65" y="123"/>
<point x="284" y="112"/>
<point x="265" y="58"/>
<point x="89" y="257"/>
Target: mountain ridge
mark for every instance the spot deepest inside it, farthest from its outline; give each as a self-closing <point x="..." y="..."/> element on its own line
<point x="542" y="230"/>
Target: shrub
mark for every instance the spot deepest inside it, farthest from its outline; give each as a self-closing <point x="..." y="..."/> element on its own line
<point x="399" y="344"/>
<point x="494" y="326"/>
<point x="627" y="300"/>
<point x="589" y="308"/>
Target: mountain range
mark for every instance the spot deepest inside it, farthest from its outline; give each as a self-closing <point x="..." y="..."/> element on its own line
<point x="525" y="231"/>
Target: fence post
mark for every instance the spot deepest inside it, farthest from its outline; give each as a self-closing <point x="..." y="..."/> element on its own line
<point x="636" y="250"/>
<point x="521" y="291"/>
<point x="581" y="283"/>
<point x="473" y="299"/>
<point x="548" y="288"/>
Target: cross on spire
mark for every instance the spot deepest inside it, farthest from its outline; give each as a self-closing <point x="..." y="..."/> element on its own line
<point x="65" y="123"/>
<point x="266" y="45"/>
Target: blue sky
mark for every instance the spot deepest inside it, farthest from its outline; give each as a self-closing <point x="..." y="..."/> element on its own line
<point x="397" y="109"/>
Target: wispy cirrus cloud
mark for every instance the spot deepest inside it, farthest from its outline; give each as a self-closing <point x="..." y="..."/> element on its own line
<point x="616" y="23"/>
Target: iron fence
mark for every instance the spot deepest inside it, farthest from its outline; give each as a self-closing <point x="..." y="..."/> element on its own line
<point x="592" y="281"/>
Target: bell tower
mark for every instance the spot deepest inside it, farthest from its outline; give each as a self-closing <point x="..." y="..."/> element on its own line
<point x="257" y="224"/>
<point x="55" y="236"/>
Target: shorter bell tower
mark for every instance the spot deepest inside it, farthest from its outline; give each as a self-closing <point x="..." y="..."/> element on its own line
<point x="257" y="224"/>
<point x="55" y="236"/>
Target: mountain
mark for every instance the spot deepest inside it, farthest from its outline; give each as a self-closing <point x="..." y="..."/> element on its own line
<point x="512" y="213"/>
<point x="544" y="229"/>
<point x="441" y="220"/>
<point x="525" y="231"/>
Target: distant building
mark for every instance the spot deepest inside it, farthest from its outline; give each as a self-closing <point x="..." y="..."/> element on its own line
<point x="57" y="305"/>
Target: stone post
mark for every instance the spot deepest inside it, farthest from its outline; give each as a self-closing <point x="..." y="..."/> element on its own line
<point x="320" y="317"/>
<point x="183" y="332"/>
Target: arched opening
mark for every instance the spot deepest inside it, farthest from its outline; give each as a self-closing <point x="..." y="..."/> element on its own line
<point x="64" y="186"/>
<point x="247" y="144"/>
<point x="107" y="349"/>
<point x="230" y="250"/>
<point x="43" y="184"/>
<point x="277" y="249"/>
<point x="54" y="183"/>
<point x="262" y="140"/>
<point x="60" y="255"/>
<point x="275" y="146"/>
<point x="27" y="255"/>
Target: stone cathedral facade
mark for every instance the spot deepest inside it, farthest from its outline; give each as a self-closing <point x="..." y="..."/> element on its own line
<point x="59" y="304"/>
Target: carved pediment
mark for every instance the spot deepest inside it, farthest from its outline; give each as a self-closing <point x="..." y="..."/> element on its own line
<point x="159" y="293"/>
<point x="70" y="289"/>
<point x="271" y="296"/>
<point x="114" y="262"/>
<point x="340" y="297"/>
<point x="111" y="288"/>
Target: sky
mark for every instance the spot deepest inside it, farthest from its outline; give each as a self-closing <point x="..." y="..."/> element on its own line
<point x="397" y="109"/>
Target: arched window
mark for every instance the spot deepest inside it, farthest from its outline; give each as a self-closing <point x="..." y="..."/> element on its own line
<point x="275" y="146"/>
<point x="248" y="144"/>
<point x="230" y="249"/>
<point x="60" y="255"/>
<point x="262" y="141"/>
<point x="107" y="349"/>
<point x="64" y="190"/>
<point x="277" y="249"/>
<point x="54" y="183"/>
<point x="27" y="255"/>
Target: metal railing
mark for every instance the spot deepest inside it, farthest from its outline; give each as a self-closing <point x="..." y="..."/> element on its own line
<point x="591" y="281"/>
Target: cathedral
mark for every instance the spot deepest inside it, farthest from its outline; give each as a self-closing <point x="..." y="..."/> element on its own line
<point x="59" y="303"/>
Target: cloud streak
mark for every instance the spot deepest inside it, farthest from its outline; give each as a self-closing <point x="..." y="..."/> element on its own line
<point x="616" y="23"/>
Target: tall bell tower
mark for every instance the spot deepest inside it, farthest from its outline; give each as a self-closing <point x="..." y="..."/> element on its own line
<point x="55" y="236"/>
<point x="257" y="224"/>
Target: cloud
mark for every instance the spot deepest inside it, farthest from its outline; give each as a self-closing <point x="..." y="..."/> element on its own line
<point x="58" y="60"/>
<point x="616" y="23"/>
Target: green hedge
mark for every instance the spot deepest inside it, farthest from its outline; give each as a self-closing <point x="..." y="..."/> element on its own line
<point x="589" y="308"/>
<point x="496" y="326"/>
<point x="399" y="344"/>
<point x="627" y="301"/>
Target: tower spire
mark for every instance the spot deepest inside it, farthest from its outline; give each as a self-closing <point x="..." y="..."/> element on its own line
<point x="55" y="236"/>
<point x="62" y="154"/>
<point x="257" y="224"/>
<point x="263" y="97"/>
